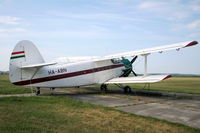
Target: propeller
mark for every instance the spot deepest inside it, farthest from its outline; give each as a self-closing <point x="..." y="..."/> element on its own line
<point x="134" y="73"/>
<point x="128" y="65"/>
<point x="132" y="61"/>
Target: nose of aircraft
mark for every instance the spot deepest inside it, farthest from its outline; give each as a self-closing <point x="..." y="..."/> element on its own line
<point x="129" y="67"/>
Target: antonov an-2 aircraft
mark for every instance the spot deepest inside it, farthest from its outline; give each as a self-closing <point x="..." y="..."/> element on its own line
<point x="28" y="68"/>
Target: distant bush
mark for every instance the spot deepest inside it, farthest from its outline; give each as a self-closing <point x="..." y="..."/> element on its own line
<point x="4" y="72"/>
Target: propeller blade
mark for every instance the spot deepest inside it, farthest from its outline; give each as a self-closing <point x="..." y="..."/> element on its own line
<point x="134" y="73"/>
<point x="133" y="60"/>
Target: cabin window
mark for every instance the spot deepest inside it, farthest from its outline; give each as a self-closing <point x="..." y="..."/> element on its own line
<point x="116" y="61"/>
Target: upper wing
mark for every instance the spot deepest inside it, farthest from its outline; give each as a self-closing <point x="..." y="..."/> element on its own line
<point x="176" y="46"/>
<point x="160" y="49"/>
<point x="138" y="79"/>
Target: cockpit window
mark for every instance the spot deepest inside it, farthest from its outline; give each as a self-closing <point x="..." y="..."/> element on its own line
<point x="116" y="61"/>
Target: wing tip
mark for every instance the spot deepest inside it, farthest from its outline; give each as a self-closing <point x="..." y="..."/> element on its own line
<point x="167" y="77"/>
<point x="191" y="43"/>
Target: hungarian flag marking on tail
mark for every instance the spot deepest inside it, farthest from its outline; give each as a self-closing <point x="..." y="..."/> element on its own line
<point x="19" y="54"/>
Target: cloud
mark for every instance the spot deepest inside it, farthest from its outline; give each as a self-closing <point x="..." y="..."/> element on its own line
<point x="103" y="16"/>
<point x="172" y="10"/>
<point x="195" y="8"/>
<point x="10" y="34"/>
<point x="150" y="5"/>
<point x="190" y="29"/>
<point x="17" y="33"/>
<point x="178" y="15"/>
<point x="3" y="30"/>
<point x="193" y="25"/>
<point x="197" y="34"/>
<point x="9" y="20"/>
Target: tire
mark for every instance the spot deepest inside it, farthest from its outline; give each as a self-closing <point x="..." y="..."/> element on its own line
<point x="38" y="91"/>
<point x="103" y="87"/>
<point x="127" y="89"/>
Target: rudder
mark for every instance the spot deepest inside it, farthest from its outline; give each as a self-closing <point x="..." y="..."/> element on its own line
<point x="24" y="53"/>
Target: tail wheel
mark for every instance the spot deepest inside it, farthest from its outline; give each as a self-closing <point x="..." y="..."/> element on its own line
<point x="127" y="89"/>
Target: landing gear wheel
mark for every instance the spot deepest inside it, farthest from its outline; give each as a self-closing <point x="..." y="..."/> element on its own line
<point x="103" y="87"/>
<point x="127" y="89"/>
<point x="38" y="91"/>
<point x="51" y="90"/>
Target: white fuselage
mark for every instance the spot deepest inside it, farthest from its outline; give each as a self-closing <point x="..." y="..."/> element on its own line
<point x="72" y="74"/>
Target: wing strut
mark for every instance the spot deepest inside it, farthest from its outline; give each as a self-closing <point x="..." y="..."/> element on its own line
<point x="145" y="64"/>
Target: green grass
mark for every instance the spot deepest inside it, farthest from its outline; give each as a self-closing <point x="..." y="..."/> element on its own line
<point x="65" y="115"/>
<point x="7" y="88"/>
<point x="62" y="114"/>
<point x="175" y="84"/>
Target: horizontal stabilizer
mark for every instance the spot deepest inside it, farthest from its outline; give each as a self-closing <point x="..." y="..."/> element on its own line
<point x="38" y="65"/>
<point x="138" y="79"/>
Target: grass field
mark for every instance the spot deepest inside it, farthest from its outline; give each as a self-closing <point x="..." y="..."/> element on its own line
<point x="51" y="114"/>
<point x="64" y="115"/>
<point x="174" y="84"/>
<point x="7" y="88"/>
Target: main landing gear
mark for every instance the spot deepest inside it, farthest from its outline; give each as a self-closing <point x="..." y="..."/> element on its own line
<point x="51" y="90"/>
<point x="38" y="91"/>
<point x="103" y="87"/>
<point x="127" y="89"/>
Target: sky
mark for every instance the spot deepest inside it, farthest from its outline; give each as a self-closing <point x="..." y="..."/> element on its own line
<point x="66" y="28"/>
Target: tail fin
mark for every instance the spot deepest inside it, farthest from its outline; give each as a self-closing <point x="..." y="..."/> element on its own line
<point x="25" y="53"/>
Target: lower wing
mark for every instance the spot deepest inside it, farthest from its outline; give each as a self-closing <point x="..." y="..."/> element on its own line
<point x="138" y="79"/>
